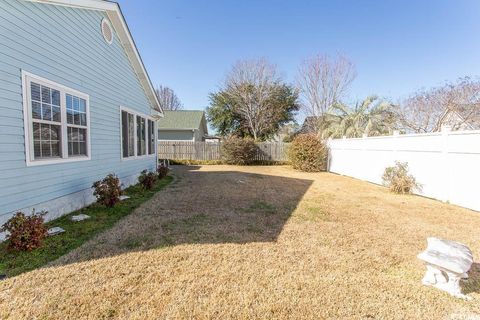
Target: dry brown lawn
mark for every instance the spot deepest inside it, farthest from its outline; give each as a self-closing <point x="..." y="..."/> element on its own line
<point x="256" y="242"/>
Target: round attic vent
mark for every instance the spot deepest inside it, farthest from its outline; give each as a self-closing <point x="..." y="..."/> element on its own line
<point x="107" y="31"/>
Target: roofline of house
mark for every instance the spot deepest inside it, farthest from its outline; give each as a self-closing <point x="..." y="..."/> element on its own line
<point x="119" y="23"/>
<point x="178" y="129"/>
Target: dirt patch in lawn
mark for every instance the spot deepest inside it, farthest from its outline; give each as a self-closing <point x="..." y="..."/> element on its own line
<point x="256" y="242"/>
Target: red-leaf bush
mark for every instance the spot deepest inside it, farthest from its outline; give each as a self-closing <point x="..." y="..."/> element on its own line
<point x="25" y="233"/>
<point x="147" y="179"/>
<point x="108" y="190"/>
<point x="308" y="153"/>
<point x="162" y="171"/>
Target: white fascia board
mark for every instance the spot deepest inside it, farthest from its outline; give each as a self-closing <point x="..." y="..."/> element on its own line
<point x="100" y="5"/>
<point x="121" y="27"/>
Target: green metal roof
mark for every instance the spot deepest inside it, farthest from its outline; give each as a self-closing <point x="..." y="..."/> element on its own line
<point x="182" y="119"/>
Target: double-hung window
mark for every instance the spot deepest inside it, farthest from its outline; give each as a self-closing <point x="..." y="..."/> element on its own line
<point x="56" y="122"/>
<point x="138" y="134"/>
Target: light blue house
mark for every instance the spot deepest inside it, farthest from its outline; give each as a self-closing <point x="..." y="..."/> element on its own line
<point x="76" y="104"/>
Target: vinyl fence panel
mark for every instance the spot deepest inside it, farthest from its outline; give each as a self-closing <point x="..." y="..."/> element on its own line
<point x="446" y="164"/>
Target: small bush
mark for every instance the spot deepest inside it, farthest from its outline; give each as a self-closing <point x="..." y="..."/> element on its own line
<point x="108" y="190"/>
<point x="238" y="151"/>
<point x="162" y="171"/>
<point x="25" y="233"/>
<point x="308" y="153"/>
<point x="398" y="180"/>
<point x="147" y="179"/>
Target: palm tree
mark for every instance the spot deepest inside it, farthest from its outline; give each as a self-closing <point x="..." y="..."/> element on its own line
<point x="372" y="117"/>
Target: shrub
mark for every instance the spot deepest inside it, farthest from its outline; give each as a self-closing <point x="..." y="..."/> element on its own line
<point x="308" y="153"/>
<point x="398" y="180"/>
<point x="25" y="233"/>
<point x="238" y="151"/>
<point x="147" y="179"/>
<point x="108" y="190"/>
<point x="162" y="171"/>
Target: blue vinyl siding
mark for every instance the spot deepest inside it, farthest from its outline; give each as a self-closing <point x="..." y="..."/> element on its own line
<point x="64" y="45"/>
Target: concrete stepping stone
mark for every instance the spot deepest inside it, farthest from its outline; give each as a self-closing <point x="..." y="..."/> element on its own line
<point x="80" y="217"/>
<point x="55" y="230"/>
<point x="124" y="198"/>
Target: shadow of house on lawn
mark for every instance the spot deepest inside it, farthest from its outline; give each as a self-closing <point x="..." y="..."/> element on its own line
<point x="202" y="207"/>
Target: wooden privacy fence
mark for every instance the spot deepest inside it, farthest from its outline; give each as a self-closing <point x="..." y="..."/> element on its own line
<point x="204" y="151"/>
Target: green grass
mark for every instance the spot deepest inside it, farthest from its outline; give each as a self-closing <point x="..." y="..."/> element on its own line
<point x="13" y="263"/>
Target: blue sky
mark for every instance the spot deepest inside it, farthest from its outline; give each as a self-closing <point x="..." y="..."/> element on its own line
<point x="397" y="46"/>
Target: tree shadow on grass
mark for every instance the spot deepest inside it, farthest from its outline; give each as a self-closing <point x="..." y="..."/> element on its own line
<point x="202" y="207"/>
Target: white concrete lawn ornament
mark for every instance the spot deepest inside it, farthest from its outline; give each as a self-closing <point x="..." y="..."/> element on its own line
<point x="447" y="262"/>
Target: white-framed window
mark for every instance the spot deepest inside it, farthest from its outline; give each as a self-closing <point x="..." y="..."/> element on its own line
<point x="136" y="134"/>
<point x="56" y="121"/>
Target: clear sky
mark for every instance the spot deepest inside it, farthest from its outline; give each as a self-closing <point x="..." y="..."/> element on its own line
<point x="398" y="46"/>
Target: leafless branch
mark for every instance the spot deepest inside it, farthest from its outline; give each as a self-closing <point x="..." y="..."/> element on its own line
<point x="251" y="83"/>
<point x="455" y="104"/>
<point x="168" y="99"/>
<point x="323" y="81"/>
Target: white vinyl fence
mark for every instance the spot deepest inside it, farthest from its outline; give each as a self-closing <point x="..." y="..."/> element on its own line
<point x="446" y="164"/>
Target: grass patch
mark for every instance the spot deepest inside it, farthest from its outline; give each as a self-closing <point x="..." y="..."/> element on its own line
<point x="261" y="206"/>
<point x="312" y="214"/>
<point x="192" y="227"/>
<point x="101" y="218"/>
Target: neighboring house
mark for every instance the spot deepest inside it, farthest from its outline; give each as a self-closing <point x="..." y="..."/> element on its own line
<point x="76" y="104"/>
<point x="183" y="125"/>
<point x="458" y="121"/>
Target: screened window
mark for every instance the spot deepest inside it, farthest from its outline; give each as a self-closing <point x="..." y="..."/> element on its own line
<point x="151" y="137"/>
<point x="56" y="122"/>
<point x="136" y="134"/>
<point x="128" y="134"/>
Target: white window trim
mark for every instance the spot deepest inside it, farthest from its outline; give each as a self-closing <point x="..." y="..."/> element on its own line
<point x="27" y="77"/>
<point x="146" y="117"/>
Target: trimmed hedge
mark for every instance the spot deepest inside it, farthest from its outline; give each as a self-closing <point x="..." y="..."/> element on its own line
<point x="308" y="153"/>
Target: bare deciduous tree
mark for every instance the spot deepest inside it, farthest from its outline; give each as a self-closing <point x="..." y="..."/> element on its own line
<point x="168" y="99"/>
<point x="428" y="110"/>
<point x="252" y="84"/>
<point x="323" y="81"/>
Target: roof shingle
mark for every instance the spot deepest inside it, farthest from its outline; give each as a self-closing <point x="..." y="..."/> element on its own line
<point x="182" y="119"/>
